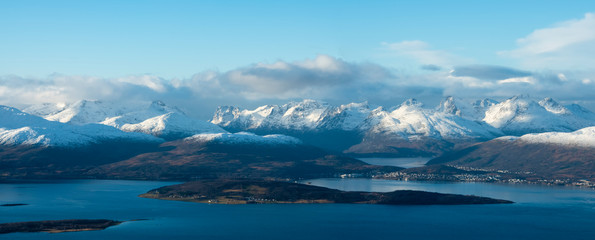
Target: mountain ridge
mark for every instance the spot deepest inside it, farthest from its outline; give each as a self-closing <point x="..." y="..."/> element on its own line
<point x="155" y="118"/>
<point x="410" y="126"/>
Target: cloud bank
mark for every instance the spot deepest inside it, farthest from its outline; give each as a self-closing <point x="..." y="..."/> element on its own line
<point x="323" y="77"/>
<point x="487" y="72"/>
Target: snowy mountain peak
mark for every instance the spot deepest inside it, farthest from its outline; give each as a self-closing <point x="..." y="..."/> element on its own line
<point x="520" y="115"/>
<point x="552" y="106"/>
<point x="156" y="118"/>
<point x="515" y="109"/>
<point x="19" y="128"/>
<point x="45" y="109"/>
<point x="485" y="103"/>
<point x="411" y="122"/>
<point x="225" y="114"/>
<point x="161" y="107"/>
<point x="453" y="119"/>
<point x="84" y="111"/>
<point x="12" y="118"/>
<point x="172" y="125"/>
<point x="461" y="108"/>
<point x="448" y="106"/>
<point x="10" y="110"/>
<point x="411" y="102"/>
<point x="306" y="114"/>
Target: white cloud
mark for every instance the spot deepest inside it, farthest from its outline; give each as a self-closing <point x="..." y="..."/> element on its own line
<point x="422" y="53"/>
<point x="529" y="80"/>
<point x="153" y="82"/>
<point x="566" y="45"/>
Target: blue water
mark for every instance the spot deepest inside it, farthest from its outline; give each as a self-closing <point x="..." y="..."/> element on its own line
<point x="397" y="162"/>
<point x="540" y="213"/>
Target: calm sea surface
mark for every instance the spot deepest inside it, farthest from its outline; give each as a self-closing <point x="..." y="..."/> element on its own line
<point x="540" y="213"/>
<point x="398" y="162"/>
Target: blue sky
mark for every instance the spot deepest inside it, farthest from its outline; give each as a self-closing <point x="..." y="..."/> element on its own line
<point x="116" y="38"/>
<point x="181" y="40"/>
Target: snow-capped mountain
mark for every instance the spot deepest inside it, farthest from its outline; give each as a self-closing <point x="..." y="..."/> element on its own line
<point x="550" y="155"/>
<point x="475" y="110"/>
<point x="19" y="128"/>
<point x="171" y="125"/>
<point x="521" y="115"/>
<point x="581" y="138"/>
<point x="411" y="130"/>
<point x="80" y="112"/>
<point x="347" y="117"/>
<point x="360" y="128"/>
<point x="155" y="118"/>
<point x="411" y="121"/>
<point x="305" y="115"/>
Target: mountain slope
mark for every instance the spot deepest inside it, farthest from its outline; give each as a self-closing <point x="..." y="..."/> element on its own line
<point x="235" y="156"/>
<point x="171" y="126"/>
<point x="360" y="129"/>
<point x="411" y="121"/>
<point x="305" y="115"/>
<point x="32" y="147"/>
<point x="551" y="155"/>
<point x="521" y="115"/>
<point x="411" y="130"/>
<point x="408" y="129"/>
<point x="18" y="128"/>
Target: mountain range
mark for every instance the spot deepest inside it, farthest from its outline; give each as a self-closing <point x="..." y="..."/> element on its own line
<point x="156" y="118"/>
<point x="81" y="143"/>
<point x="409" y="128"/>
<point x="157" y="141"/>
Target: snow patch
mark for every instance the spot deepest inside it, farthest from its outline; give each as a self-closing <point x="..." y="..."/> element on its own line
<point x="244" y="138"/>
<point x="584" y="137"/>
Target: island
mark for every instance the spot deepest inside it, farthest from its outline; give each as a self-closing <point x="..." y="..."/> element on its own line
<point x="233" y="191"/>
<point x="13" y="204"/>
<point x="58" y="226"/>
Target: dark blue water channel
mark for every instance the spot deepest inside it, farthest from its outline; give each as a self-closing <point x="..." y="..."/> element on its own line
<point x="540" y="213"/>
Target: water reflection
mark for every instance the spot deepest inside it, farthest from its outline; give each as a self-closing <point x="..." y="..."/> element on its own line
<point x="397" y="162"/>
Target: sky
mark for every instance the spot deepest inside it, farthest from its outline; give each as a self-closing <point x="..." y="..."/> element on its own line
<point x="201" y="54"/>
